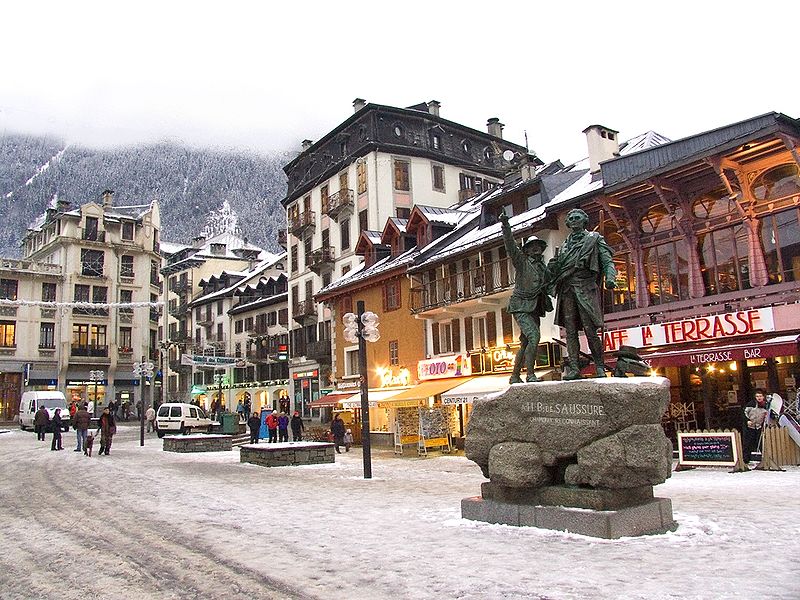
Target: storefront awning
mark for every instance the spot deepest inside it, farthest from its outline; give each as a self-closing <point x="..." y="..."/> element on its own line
<point x="426" y="389"/>
<point x="375" y="396"/>
<point x="476" y="389"/>
<point x="198" y="389"/>
<point x="329" y="400"/>
<point x="785" y="345"/>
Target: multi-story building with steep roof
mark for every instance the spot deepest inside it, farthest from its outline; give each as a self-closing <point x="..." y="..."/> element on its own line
<point x="194" y="332"/>
<point x="51" y="336"/>
<point x="377" y="164"/>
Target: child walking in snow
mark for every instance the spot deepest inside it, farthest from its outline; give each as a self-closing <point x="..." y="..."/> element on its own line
<point x="348" y="440"/>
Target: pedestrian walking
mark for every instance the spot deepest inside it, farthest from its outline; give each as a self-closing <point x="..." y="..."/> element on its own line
<point x="150" y="417"/>
<point x="240" y="411"/>
<point x="107" y="429"/>
<point x="338" y="430"/>
<point x="247" y="404"/>
<point x="81" y="421"/>
<point x="283" y="427"/>
<point x="272" y="426"/>
<point x="297" y="427"/>
<point x="55" y="426"/>
<point x="41" y="423"/>
<point x="254" y="423"/>
<point x="348" y="440"/>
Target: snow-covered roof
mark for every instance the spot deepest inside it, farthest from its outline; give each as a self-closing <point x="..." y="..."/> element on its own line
<point x="441" y="216"/>
<point x="589" y="182"/>
<point x="244" y="279"/>
<point x="361" y="274"/>
<point x="171" y="247"/>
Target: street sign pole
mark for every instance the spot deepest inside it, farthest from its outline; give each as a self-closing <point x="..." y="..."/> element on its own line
<point x="144" y="370"/>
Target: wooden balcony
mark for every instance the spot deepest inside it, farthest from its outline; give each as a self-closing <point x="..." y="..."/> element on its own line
<point x="485" y="280"/>
<point x="306" y="221"/>
<point x="321" y="260"/>
<point x="178" y="286"/>
<point x="282" y="237"/>
<point x="319" y="351"/>
<point x="304" y="310"/>
<point x="340" y="204"/>
<point x="178" y="309"/>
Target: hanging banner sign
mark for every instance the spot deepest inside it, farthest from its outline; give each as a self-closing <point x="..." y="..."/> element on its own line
<point x="213" y="361"/>
<point x="443" y="366"/>
<point x="699" y="329"/>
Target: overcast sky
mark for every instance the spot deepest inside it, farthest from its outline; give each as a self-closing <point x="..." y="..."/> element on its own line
<point x="264" y="75"/>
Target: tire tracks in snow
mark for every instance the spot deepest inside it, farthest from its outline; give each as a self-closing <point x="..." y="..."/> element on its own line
<point x="64" y="540"/>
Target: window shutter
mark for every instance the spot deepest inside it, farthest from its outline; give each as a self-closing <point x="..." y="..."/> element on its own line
<point x="508" y="326"/>
<point x="384" y="294"/>
<point x="491" y="328"/>
<point x="435" y="332"/>
<point x="454" y="325"/>
<point x="468" y="334"/>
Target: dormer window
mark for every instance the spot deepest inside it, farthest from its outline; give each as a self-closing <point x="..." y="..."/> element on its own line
<point x="466" y="146"/>
<point x="398" y="130"/>
<point x="436" y="141"/>
<point x="127" y="231"/>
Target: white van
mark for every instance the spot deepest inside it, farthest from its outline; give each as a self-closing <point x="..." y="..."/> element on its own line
<point x="181" y="418"/>
<point x="51" y="400"/>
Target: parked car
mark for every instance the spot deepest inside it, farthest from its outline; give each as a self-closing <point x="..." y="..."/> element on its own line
<point x="174" y="417"/>
<point x="31" y="401"/>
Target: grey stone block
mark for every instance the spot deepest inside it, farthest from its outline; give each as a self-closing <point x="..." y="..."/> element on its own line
<point x="651" y="517"/>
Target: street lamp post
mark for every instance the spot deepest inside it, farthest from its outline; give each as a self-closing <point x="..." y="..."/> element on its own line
<point x="363" y="328"/>
<point x="96" y="377"/>
<point x="144" y="370"/>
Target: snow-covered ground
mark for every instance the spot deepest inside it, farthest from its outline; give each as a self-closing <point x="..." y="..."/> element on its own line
<point x="151" y="524"/>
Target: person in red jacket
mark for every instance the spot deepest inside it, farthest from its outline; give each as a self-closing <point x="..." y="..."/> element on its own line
<point x="272" y="426"/>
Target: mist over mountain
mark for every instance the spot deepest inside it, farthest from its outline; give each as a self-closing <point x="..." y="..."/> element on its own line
<point x="189" y="183"/>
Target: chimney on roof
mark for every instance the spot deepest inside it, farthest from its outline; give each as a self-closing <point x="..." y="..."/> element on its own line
<point x="198" y="241"/>
<point x="358" y="104"/>
<point x="306" y="144"/>
<point x="108" y="198"/>
<point x="433" y="107"/>
<point x="603" y="144"/>
<point x="495" y="127"/>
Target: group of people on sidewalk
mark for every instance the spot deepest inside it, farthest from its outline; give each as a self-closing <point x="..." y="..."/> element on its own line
<point x="81" y="422"/>
<point x="278" y="425"/>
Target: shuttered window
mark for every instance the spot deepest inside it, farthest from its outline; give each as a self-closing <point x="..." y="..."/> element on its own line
<point x="508" y="326"/>
<point x="456" y="347"/>
<point x="491" y="329"/>
<point x="435" y="333"/>
<point x="468" y="334"/>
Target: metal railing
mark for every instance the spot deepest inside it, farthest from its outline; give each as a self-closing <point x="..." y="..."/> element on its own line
<point x="305" y="220"/>
<point x="484" y="280"/>
<point x="95" y="351"/>
<point x="321" y="259"/>
<point x="303" y="309"/>
<point x="341" y="201"/>
<point x="319" y="350"/>
<point x="93" y="235"/>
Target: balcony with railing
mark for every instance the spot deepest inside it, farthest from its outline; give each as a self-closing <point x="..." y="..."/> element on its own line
<point x="306" y="221"/>
<point x="93" y="235"/>
<point x="321" y="260"/>
<point x="478" y="282"/>
<point x="319" y="351"/>
<point x="304" y="310"/>
<point x="177" y="309"/>
<point x="282" y="237"/>
<point x="340" y="204"/>
<point x="93" y="351"/>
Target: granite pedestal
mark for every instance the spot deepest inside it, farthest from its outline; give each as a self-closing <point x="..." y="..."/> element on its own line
<point x="287" y="454"/>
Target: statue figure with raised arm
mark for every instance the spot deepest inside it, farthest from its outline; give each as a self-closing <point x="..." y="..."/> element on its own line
<point x="529" y="300"/>
<point x="577" y="274"/>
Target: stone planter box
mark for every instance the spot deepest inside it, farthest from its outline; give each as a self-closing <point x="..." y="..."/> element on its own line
<point x="287" y="454"/>
<point x="197" y="443"/>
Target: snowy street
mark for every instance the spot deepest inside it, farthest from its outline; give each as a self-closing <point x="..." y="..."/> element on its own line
<point x="143" y="523"/>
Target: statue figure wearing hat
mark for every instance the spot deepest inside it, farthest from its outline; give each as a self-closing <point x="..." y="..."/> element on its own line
<point x="577" y="274"/>
<point x="530" y="300"/>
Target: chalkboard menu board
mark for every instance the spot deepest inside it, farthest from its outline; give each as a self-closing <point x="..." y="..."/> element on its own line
<point x="708" y="449"/>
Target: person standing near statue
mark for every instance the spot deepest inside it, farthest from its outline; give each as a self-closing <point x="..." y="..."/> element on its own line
<point x="577" y="274"/>
<point x="529" y="300"/>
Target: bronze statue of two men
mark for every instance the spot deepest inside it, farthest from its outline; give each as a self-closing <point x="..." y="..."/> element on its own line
<point x="575" y="277"/>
